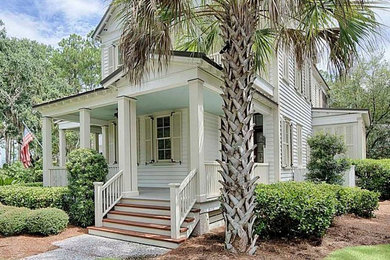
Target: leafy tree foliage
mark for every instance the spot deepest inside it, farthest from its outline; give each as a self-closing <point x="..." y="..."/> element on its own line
<point x="78" y="60"/>
<point x="324" y="166"/>
<point x="368" y="86"/>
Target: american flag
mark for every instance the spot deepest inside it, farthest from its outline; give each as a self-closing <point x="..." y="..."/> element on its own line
<point x="24" y="150"/>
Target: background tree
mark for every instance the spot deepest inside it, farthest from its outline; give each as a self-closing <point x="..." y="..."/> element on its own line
<point x="31" y="73"/>
<point x="368" y="86"/>
<point x="247" y="29"/>
<point x="78" y="60"/>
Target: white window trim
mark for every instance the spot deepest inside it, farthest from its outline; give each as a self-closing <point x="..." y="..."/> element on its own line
<point x="155" y="139"/>
<point x="299" y="146"/>
<point x="286" y="64"/>
<point x="286" y="144"/>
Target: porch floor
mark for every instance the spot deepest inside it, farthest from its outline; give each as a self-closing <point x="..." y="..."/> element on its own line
<point x="153" y="193"/>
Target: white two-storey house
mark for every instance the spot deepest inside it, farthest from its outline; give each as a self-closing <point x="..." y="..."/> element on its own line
<point x="161" y="137"/>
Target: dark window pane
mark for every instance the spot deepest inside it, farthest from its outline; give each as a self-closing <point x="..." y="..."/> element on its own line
<point x="160" y="144"/>
<point x="167" y="132"/>
<point x="167" y="143"/>
<point x="168" y="154"/>
<point x="166" y="121"/>
<point x="160" y="122"/>
<point x="161" y="155"/>
<point x="160" y="132"/>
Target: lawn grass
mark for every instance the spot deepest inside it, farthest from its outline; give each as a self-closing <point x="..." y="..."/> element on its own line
<point x="380" y="252"/>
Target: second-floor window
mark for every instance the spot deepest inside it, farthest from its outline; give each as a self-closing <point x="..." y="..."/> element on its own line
<point x="285" y="64"/>
<point x="114" y="57"/>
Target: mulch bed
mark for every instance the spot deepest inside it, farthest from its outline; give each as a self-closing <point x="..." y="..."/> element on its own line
<point x="346" y="231"/>
<point x="17" y="247"/>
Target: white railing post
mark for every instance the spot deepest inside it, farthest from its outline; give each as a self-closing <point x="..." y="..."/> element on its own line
<point x="98" y="204"/>
<point x="175" y="210"/>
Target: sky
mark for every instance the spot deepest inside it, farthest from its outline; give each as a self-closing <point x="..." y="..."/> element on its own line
<point x="48" y="21"/>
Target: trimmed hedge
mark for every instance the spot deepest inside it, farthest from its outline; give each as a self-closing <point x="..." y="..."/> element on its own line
<point x="13" y="220"/>
<point x="306" y="209"/>
<point x="374" y="175"/>
<point x="47" y="221"/>
<point x="34" y="197"/>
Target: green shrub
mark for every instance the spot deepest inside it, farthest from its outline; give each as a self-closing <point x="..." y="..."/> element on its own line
<point x="84" y="166"/>
<point x="13" y="221"/>
<point x="34" y="197"/>
<point x="373" y="175"/>
<point x="21" y="174"/>
<point x="47" y="221"/>
<point x="324" y="166"/>
<point x="306" y="209"/>
<point x="30" y="184"/>
<point x="294" y="209"/>
<point x="5" y="180"/>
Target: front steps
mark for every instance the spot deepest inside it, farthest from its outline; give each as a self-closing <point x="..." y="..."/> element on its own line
<point x="145" y="221"/>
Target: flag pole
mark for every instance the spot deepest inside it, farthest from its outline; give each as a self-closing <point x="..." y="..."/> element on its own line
<point x="35" y="138"/>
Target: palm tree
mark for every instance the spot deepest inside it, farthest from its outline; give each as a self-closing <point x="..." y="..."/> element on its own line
<point x="246" y="32"/>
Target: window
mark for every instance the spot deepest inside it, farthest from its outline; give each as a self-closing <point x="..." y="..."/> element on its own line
<point x="286" y="143"/>
<point x="299" y="144"/>
<point x="286" y="64"/>
<point x="259" y="138"/>
<point x="298" y="79"/>
<point x="163" y="137"/>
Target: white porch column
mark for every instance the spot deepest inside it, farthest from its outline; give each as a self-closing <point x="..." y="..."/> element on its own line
<point x="127" y="143"/>
<point x="62" y="147"/>
<point x="196" y="113"/>
<point x="96" y="142"/>
<point x="105" y="142"/>
<point x="47" y="149"/>
<point x="85" y="128"/>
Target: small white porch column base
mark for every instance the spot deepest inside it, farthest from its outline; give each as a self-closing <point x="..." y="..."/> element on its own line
<point x="127" y="142"/>
<point x="196" y="113"/>
<point x="85" y="128"/>
<point x="46" y="149"/>
<point x="203" y="225"/>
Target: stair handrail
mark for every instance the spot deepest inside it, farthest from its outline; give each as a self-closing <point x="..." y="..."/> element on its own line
<point x="182" y="199"/>
<point x="107" y="195"/>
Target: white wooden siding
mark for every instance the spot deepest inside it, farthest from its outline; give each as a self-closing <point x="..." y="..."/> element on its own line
<point x="268" y="131"/>
<point x="160" y="175"/>
<point x="211" y="138"/>
<point x="295" y="107"/>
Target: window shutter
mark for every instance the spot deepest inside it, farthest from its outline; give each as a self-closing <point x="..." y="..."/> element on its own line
<point x="291" y="144"/>
<point x="111" y="59"/>
<point x="176" y="136"/>
<point x="282" y="123"/>
<point x="148" y="139"/>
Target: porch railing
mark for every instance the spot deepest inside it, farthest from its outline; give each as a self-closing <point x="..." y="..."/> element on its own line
<point x="106" y="196"/>
<point x="182" y="199"/>
<point x="212" y="177"/>
<point x="58" y="176"/>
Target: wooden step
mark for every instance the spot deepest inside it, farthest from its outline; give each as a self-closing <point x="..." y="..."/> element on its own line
<point x="134" y="236"/>
<point x="130" y="205"/>
<point x="146" y="215"/>
<point x="142" y="224"/>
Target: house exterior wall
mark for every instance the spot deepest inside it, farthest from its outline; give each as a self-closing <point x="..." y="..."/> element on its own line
<point x="296" y="108"/>
<point x="211" y="137"/>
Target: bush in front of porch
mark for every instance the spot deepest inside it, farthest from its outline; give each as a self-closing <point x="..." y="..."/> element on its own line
<point x="304" y="209"/>
<point x="326" y="161"/>
<point x="84" y="166"/>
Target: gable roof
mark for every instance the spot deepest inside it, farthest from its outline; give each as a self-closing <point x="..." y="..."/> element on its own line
<point x="99" y="28"/>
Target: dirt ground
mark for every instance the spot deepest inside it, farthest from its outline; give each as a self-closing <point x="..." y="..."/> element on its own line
<point x="17" y="247"/>
<point x="346" y="231"/>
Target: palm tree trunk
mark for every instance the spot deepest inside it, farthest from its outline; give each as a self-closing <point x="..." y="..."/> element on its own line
<point x="238" y="24"/>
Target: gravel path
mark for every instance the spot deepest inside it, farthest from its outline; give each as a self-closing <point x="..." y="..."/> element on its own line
<point x="86" y="247"/>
